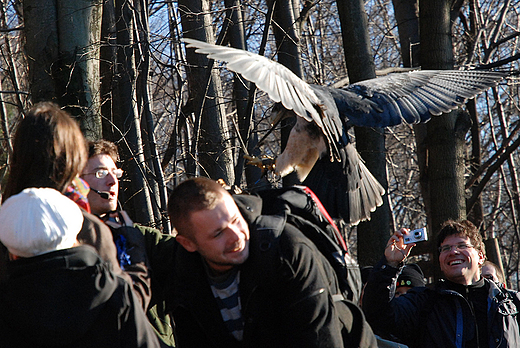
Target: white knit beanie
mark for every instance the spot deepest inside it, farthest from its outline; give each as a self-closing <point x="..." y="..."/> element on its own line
<point x="37" y="221"/>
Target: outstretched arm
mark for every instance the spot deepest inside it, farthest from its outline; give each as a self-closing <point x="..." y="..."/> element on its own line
<point x="389" y="316"/>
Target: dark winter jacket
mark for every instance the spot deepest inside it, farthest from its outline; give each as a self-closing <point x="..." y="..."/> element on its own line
<point x="70" y="298"/>
<point x="440" y="317"/>
<point x="286" y="291"/>
<point x="96" y="233"/>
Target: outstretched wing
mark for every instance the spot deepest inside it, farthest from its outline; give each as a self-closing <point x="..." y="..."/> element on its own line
<point x="280" y="83"/>
<point x="385" y="101"/>
<point x="410" y="97"/>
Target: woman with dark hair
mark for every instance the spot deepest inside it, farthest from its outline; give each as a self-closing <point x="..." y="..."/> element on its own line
<point x="49" y="151"/>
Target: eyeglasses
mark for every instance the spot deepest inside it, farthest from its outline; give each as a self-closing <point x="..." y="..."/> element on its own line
<point x="102" y="173"/>
<point x="488" y="276"/>
<point x="447" y="248"/>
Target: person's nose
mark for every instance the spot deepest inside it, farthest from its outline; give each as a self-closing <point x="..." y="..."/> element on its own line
<point x="111" y="179"/>
<point x="234" y="234"/>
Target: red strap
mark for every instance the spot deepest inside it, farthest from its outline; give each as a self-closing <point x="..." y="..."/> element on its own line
<point x="327" y="216"/>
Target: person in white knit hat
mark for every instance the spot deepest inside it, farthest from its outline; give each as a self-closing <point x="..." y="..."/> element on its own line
<point x="59" y="292"/>
<point x="37" y="221"/>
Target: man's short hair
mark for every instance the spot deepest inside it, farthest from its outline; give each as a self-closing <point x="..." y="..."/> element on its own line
<point x="191" y="196"/>
<point x="103" y="147"/>
<point x="463" y="228"/>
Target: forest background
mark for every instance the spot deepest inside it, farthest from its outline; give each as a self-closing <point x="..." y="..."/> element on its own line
<point x="120" y="69"/>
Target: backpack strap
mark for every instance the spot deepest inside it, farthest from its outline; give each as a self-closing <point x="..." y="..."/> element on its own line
<point x="265" y="240"/>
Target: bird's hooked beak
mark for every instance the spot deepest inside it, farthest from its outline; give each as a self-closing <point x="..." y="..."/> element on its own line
<point x="278" y="113"/>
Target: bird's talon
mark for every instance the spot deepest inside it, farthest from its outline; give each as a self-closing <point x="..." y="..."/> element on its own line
<point x="253" y="160"/>
<point x="267" y="163"/>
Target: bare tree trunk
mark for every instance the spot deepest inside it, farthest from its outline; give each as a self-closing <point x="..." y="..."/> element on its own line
<point x="79" y="29"/>
<point x="370" y="142"/>
<point x="41" y="47"/>
<point x="61" y="39"/>
<point x="445" y="139"/>
<point x="211" y="132"/>
<point x="107" y="68"/>
<point x="244" y="104"/>
<point x="407" y="16"/>
<point x="287" y="44"/>
<point x="135" y="192"/>
<point x="155" y="178"/>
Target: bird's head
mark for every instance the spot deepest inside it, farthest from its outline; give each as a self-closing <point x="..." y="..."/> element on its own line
<point x="279" y="113"/>
<point x="306" y="144"/>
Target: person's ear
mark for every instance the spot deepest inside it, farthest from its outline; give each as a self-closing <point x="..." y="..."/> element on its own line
<point x="187" y="243"/>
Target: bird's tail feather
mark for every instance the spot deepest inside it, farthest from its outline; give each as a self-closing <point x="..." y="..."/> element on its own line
<point x="364" y="191"/>
<point x="347" y="189"/>
<point x="366" y="198"/>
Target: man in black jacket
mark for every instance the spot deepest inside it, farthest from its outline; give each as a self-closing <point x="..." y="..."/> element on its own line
<point x="242" y="279"/>
<point x="464" y="310"/>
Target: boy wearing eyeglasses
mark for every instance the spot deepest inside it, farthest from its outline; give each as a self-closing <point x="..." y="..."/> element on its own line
<point x="102" y="175"/>
<point x="462" y="310"/>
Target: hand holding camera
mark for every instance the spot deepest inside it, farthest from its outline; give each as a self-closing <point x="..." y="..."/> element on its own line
<point x="402" y="241"/>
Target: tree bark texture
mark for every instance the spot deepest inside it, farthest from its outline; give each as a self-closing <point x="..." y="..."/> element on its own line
<point x="211" y="131"/>
<point x="445" y="139"/>
<point x="61" y="44"/>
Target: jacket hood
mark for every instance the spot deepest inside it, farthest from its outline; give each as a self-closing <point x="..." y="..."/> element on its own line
<point x="250" y="206"/>
<point x="55" y="297"/>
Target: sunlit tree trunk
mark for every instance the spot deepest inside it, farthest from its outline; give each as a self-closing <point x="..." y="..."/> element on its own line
<point x="61" y="44"/>
<point x="211" y="137"/>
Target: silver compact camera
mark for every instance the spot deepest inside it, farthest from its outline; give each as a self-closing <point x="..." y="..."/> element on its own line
<point x="418" y="235"/>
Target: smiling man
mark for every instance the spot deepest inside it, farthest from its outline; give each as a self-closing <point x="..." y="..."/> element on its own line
<point x="243" y="279"/>
<point x="462" y="310"/>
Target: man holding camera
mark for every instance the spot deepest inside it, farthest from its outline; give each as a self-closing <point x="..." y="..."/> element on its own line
<point x="463" y="310"/>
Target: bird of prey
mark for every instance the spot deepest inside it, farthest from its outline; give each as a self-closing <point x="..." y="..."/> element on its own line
<point x="325" y="114"/>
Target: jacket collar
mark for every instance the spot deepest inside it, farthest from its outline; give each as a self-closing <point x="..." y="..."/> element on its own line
<point x="76" y="257"/>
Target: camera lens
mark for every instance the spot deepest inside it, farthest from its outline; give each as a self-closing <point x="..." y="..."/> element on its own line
<point x="417" y="234"/>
